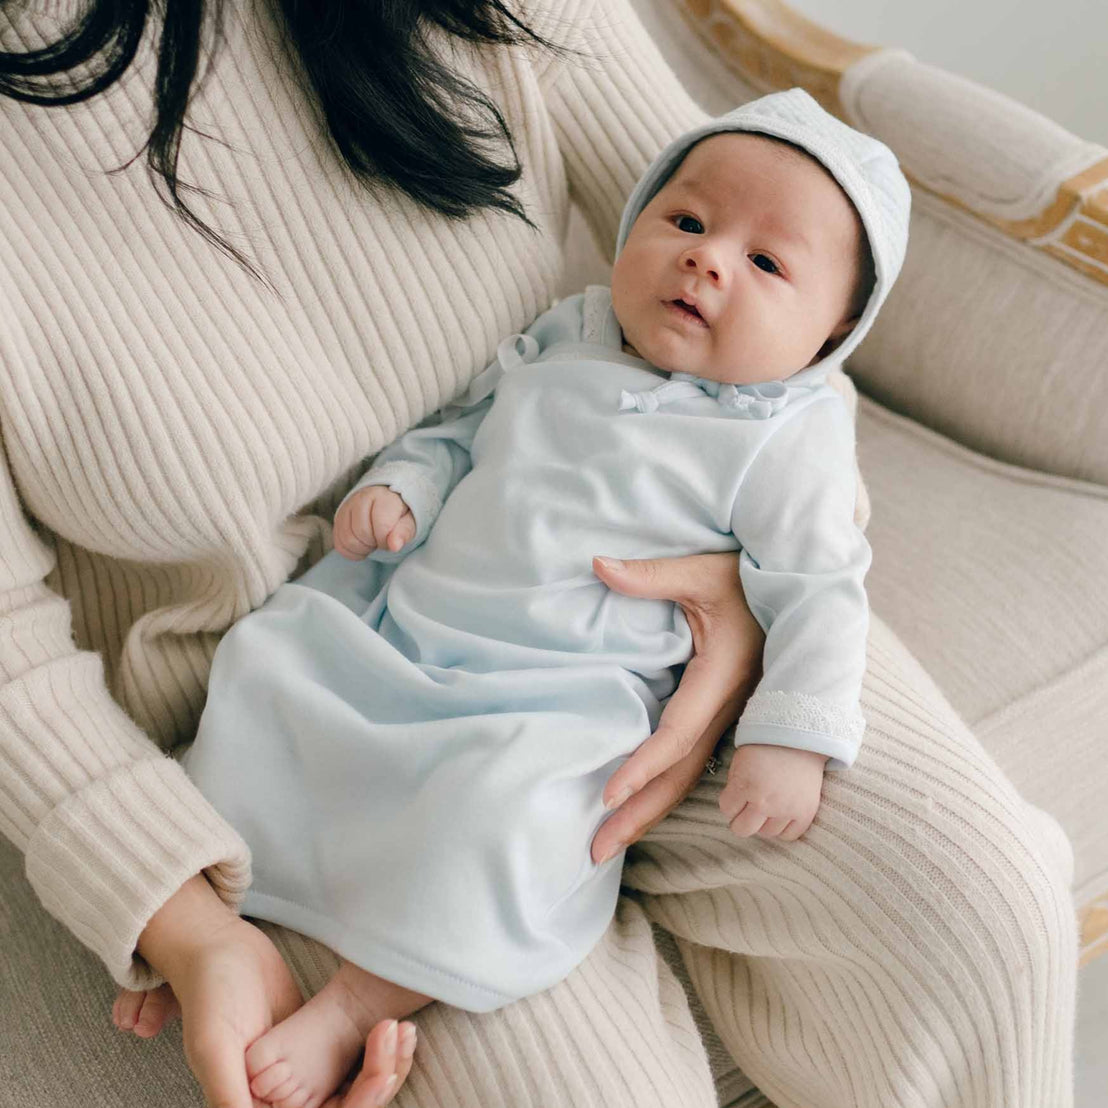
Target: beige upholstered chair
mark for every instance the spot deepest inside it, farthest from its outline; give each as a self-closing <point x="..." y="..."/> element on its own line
<point x="983" y="414"/>
<point x="983" y="438"/>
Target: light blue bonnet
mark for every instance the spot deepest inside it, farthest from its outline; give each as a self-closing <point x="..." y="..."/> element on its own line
<point x="866" y="169"/>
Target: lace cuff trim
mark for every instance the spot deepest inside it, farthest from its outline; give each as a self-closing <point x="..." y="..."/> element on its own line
<point x="805" y="713"/>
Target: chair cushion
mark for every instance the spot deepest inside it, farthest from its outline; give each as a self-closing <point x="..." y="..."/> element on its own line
<point x="993" y="576"/>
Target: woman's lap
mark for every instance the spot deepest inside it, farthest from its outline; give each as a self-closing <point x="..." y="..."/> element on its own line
<point x="916" y="947"/>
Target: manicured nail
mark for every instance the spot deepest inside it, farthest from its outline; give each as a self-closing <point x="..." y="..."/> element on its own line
<point x="613" y="852"/>
<point x="617" y="800"/>
<point x="408" y="1042"/>
<point x="390" y="1039"/>
<point x="610" y="563"/>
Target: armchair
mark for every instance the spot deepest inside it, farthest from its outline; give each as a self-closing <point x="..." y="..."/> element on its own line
<point x="982" y="425"/>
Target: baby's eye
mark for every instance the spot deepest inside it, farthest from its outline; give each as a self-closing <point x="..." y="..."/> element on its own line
<point x="768" y="259"/>
<point x="691" y="218"/>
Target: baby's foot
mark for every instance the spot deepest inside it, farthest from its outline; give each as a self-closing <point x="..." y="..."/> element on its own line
<point x="144" y="1013"/>
<point x="304" y="1059"/>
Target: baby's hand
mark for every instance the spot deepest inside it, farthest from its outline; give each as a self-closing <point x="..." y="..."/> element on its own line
<point x="772" y="791"/>
<point x="374" y="516"/>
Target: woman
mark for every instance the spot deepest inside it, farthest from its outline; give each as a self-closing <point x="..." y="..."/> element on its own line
<point x="189" y="388"/>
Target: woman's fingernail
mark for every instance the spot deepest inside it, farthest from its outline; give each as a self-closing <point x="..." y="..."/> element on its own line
<point x="610" y="563"/>
<point x="390" y="1039"/>
<point x="617" y="800"/>
<point x="386" y="1092"/>
<point x="613" y="852"/>
<point x="407" y="1043"/>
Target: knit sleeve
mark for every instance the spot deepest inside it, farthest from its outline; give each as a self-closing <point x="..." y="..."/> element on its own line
<point x="613" y="111"/>
<point x="109" y="825"/>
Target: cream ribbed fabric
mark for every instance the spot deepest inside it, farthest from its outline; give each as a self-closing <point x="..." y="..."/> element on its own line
<point x="181" y="435"/>
<point x="176" y="438"/>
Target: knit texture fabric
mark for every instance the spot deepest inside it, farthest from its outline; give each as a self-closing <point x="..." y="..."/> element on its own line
<point x="176" y="438"/>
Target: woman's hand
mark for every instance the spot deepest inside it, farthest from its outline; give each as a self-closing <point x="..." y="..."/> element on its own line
<point x="230" y="981"/>
<point x="723" y="671"/>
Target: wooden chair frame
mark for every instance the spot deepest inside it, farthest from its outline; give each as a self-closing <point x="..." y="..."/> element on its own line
<point x="772" y="47"/>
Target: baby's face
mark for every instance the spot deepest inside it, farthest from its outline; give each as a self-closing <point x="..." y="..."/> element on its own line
<point x="762" y="240"/>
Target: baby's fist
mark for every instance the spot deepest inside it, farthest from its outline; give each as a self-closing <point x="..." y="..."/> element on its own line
<point x="772" y="791"/>
<point x="374" y="516"/>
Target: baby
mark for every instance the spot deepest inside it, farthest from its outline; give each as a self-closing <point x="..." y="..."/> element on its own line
<point x="415" y="736"/>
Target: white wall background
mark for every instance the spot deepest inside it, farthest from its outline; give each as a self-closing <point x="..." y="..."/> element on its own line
<point x="1051" y="55"/>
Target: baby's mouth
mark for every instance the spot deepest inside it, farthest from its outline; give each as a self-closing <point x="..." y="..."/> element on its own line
<point x="687" y="310"/>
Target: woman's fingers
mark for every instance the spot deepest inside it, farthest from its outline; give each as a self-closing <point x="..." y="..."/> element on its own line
<point x="655" y="799"/>
<point x="704" y="703"/>
<point x="218" y="1061"/>
<point x="405" y="1053"/>
<point x="648" y="807"/>
<point x="383" y="1070"/>
<point x="700" y="579"/>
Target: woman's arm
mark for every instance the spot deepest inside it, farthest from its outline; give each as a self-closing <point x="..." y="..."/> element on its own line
<point x="111" y="827"/>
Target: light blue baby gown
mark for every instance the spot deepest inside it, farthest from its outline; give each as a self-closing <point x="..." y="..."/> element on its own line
<point x="415" y="746"/>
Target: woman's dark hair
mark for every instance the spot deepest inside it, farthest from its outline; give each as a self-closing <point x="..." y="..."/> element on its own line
<point x="393" y="111"/>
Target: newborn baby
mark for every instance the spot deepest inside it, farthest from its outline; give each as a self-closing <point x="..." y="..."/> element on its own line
<point x="414" y="737"/>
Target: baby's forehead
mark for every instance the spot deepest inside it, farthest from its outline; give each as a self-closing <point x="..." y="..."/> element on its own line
<point x="716" y="158"/>
<point x="710" y="166"/>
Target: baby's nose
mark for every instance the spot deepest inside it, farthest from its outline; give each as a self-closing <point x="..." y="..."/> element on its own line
<point x="709" y="270"/>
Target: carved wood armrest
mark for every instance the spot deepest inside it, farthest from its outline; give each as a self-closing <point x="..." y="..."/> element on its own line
<point x="772" y="47"/>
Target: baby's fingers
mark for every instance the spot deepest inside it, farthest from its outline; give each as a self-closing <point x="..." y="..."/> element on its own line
<point x="773" y="827"/>
<point x="353" y="534"/>
<point x="749" y="820"/>
<point x="403" y="532"/>
<point x="386" y="511"/>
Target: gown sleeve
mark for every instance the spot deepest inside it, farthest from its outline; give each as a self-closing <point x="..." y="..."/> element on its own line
<point x="802" y="566"/>
<point x="426" y="463"/>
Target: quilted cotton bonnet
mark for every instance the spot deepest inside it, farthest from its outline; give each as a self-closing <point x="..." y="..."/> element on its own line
<point x="865" y="167"/>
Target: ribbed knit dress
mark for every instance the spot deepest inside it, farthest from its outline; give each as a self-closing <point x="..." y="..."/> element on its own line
<point x="176" y="436"/>
<point x="180" y="434"/>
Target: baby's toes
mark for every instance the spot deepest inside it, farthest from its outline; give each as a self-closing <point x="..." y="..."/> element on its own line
<point x="125" y="1010"/>
<point x="269" y="1083"/>
<point x="158" y="1006"/>
<point x="295" y="1095"/>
